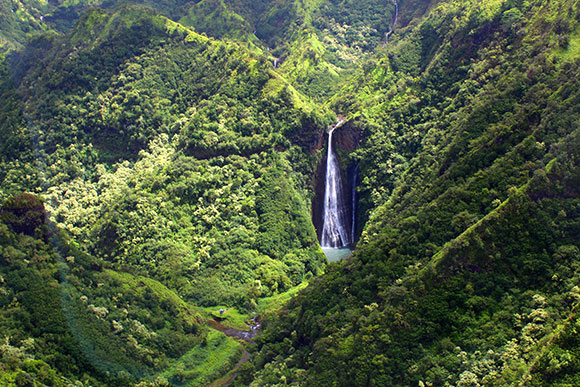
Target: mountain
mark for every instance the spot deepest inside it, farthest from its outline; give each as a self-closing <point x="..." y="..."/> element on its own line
<point x="465" y="271"/>
<point x="162" y="185"/>
<point x="169" y="158"/>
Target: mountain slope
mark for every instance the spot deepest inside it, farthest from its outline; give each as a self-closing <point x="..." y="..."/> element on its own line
<point x="66" y="316"/>
<point x="465" y="268"/>
<point x="214" y="119"/>
<point x="173" y="161"/>
<point x="318" y="43"/>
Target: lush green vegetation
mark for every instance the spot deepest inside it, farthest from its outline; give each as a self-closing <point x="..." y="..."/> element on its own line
<point x="175" y="164"/>
<point x="156" y="166"/>
<point x="179" y="154"/>
<point x="206" y="362"/>
<point x="466" y="267"/>
<point x="61" y="309"/>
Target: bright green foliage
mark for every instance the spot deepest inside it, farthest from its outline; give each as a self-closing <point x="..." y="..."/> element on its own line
<point x="211" y="207"/>
<point x="316" y="43"/>
<point x="190" y="179"/>
<point x="18" y="19"/>
<point x="231" y="317"/>
<point x="328" y="41"/>
<point x="28" y="18"/>
<point x="215" y="19"/>
<point x="206" y="362"/>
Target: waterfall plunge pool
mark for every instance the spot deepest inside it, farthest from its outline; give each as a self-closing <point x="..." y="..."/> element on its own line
<point x="334" y="254"/>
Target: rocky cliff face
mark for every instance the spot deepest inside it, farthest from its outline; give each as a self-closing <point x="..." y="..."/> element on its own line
<point x="310" y="137"/>
<point x="347" y="137"/>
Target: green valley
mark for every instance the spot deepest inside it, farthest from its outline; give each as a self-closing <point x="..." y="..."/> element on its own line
<point x="167" y="183"/>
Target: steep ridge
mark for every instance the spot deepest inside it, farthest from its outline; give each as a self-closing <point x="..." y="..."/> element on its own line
<point x="318" y="42"/>
<point x="208" y="115"/>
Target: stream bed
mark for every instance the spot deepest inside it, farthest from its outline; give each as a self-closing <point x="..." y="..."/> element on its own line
<point x="237" y="333"/>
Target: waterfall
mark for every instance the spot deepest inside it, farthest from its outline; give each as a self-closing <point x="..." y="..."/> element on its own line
<point x="392" y="27"/>
<point x="334" y="229"/>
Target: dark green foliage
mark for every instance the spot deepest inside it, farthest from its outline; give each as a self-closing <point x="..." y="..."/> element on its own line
<point x="280" y="214"/>
<point x="372" y="311"/>
<point x="559" y="364"/>
<point x="24" y="213"/>
<point x="14" y="143"/>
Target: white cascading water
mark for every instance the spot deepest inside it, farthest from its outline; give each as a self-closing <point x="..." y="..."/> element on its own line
<point x="392" y="27"/>
<point x="334" y="229"/>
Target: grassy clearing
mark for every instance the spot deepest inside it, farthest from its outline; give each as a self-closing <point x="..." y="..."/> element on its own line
<point x="572" y="50"/>
<point x="232" y="317"/>
<point x="205" y="362"/>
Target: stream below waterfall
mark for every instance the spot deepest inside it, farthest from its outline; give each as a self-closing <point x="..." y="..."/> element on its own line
<point x="245" y="335"/>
